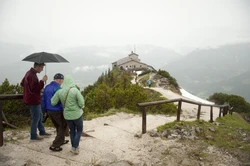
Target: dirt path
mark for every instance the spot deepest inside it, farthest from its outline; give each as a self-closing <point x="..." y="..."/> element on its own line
<point x="114" y="141"/>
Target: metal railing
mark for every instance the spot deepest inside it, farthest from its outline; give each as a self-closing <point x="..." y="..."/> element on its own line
<point x="223" y="109"/>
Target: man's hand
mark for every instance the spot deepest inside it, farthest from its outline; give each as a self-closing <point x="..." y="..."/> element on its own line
<point x="45" y="117"/>
<point x="45" y="78"/>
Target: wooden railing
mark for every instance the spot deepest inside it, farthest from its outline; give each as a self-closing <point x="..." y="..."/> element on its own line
<point x="224" y="109"/>
<point x="2" y="116"/>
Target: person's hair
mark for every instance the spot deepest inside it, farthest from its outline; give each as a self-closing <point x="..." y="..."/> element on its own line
<point x="38" y="64"/>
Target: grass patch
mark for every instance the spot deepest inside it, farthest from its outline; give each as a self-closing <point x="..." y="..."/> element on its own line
<point x="234" y="132"/>
<point x="230" y="132"/>
<point x="167" y="126"/>
<point x="235" y="121"/>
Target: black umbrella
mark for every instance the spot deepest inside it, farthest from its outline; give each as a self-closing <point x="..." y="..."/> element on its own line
<point x="45" y="57"/>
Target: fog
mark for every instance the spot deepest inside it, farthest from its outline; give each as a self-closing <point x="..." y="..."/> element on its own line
<point x="52" y="25"/>
<point x="93" y="34"/>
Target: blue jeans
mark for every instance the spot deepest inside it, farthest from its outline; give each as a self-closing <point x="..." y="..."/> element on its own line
<point x="76" y="127"/>
<point x="36" y="122"/>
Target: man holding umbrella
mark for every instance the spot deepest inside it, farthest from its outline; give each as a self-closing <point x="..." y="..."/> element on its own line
<point x="32" y="97"/>
<point x="32" y="89"/>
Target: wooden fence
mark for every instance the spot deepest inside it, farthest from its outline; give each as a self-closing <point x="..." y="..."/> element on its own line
<point x="224" y="109"/>
<point x="2" y="116"/>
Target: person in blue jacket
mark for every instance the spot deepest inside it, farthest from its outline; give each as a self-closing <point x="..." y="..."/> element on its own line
<point x="149" y="83"/>
<point x="55" y="112"/>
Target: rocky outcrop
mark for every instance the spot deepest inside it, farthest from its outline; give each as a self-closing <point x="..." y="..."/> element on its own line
<point x="163" y="82"/>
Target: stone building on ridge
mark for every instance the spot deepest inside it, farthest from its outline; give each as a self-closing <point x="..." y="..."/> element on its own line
<point x="131" y="62"/>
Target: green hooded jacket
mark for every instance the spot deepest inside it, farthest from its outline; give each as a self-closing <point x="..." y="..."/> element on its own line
<point x="75" y="101"/>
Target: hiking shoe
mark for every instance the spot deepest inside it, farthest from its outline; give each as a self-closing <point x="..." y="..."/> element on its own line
<point x="45" y="135"/>
<point x="37" y="138"/>
<point x="55" y="149"/>
<point x="74" y="150"/>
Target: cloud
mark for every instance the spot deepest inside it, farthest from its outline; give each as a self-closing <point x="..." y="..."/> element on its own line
<point x="89" y="68"/>
<point x="103" y="54"/>
<point x="165" y="23"/>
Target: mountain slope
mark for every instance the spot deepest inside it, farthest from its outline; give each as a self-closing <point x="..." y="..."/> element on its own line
<point x="205" y="71"/>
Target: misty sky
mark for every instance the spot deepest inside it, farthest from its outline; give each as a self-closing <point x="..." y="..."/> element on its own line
<point x="57" y="24"/>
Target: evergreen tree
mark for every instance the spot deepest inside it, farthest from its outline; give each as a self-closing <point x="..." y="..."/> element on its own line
<point x="16" y="111"/>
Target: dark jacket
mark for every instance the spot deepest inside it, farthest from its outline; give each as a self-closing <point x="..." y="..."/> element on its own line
<point x="32" y="88"/>
<point x="48" y="93"/>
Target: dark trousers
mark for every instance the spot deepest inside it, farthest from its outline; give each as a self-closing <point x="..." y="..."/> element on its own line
<point x="60" y="125"/>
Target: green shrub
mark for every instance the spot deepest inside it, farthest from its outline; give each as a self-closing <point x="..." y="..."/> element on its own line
<point x="238" y="103"/>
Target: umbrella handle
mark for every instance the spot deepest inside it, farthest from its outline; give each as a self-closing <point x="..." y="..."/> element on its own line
<point x="45" y="74"/>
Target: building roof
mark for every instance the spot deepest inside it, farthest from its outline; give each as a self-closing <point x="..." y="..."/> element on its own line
<point x="130" y="61"/>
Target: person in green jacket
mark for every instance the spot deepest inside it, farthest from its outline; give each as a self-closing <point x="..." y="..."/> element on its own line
<point x="73" y="103"/>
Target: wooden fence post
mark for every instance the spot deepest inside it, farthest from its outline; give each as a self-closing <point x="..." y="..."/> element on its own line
<point x="179" y="110"/>
<point x="1" y="125"/>
<point x="227" y="109"/>
<point x="224" y="111"/>
<point x="144" y="120"/>
<point x="199" y="112"/>
<point x="231" y="111"/>
<point x="211" y="114"/>
<point x="220" y="112"/>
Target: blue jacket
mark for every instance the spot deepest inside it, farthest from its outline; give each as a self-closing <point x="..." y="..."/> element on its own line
<point x="48" y="93"/>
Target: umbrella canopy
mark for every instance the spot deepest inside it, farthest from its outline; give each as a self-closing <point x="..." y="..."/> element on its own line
<point x="45" y="57"/>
